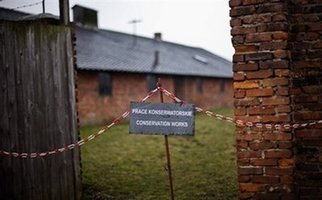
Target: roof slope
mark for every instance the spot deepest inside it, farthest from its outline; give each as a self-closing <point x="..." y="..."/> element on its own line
<point x="114" y="51"/>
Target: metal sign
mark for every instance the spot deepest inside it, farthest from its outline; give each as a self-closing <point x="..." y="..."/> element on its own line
<point x="162" y="118"/>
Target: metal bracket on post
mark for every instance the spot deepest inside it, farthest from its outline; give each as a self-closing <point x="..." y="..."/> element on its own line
<point x="167" y="149"/>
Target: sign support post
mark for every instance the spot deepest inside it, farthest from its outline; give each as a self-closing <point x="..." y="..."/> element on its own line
<point x="167" y="150"/>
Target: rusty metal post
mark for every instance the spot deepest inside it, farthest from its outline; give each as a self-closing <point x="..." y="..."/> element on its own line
<point x="167" y="150"/>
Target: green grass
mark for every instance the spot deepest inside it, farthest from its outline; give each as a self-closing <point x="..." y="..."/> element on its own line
<point x="122" y="166"/>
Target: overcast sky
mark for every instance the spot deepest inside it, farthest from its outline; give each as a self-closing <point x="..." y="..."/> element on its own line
<point x="198" y="23"/>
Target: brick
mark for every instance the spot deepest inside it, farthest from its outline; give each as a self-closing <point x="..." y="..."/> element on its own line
<point x="282" y="91"/>
<point x="239" y="76"/>
<point x="242" y="10"/>
<point x="246" y="85"/>
<point x="241" y="144"/>
<point x="285" y="153"/>
<point x="238" y="39"/>
<point x="262" y="92"/>
<point x="265" y="179"/>
<point x="314" y="27"/>
<point x="280" y="35"/>
<point x="245" y="48"/>
<point x="285" y="145"/>
<point x="283" y="109"/>
<point x="278" y="64"/>
<point x="282" y="72"/>
<point x="271" y="8"/>
<point x="279" y="136"/>
<point x="243" y="178"/>
<point x="307" y="116"/>
<point x="251" y="187"/>
<point x="261" y="110"/>
<point x="276" y="171"/>
<point x="275" y="26"/>
<point x="262" y="74"/>
<point x="250" y="2"/>
<point x="235" y="22"/>
<point x="263" y="162"/>
<point x="239" y="30"/>
<point x="286" y="162"/>
<point x="273" y="45"/>
<point x="287" y="180"/>
<point x="246" y="102"/>
<point x="245" y="195"/>
<point x="281" y="54"/>
<point x="279" y="17"/>
<point x="261" y="145"/>
<point x="307" y="64"/>
<point x="248" y="137"/>
<point x="245" y="67"/>
<point x="249" y="154"/>
<point x="250" y="170"/>
<point x="254" y="19"/>
<point x="233" y="3"/>
<point x="258" y="37"/>
<point x="272" y="82"/>
<point x="238" y="58"/>
<point x="308" y="133"/>
<point x="275" y="101"/>
<point x="243" y="161"/>
<point x="281" y="118"/>
<point x="239" y="94"/>
<point x="240" y="111"/>
<point x="258" y="56"/>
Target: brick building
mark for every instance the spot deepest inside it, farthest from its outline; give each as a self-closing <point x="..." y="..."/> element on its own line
<point x="277" y="79"/>
<point x="115" y="68"/>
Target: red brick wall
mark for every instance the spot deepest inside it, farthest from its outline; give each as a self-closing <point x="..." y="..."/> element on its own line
<point x="94" y="109"/>
<point x="306" y="94"/>
<point x="277" y="79"/>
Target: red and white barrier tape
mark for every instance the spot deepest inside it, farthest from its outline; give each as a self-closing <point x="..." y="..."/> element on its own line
<point x="80" y="142"/>
<point x="116" y="121"/>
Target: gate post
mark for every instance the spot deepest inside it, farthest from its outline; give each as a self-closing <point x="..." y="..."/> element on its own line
<point x="277" y="79"/>
<point x="261" y="66"/>
<point x="37" y="112"/>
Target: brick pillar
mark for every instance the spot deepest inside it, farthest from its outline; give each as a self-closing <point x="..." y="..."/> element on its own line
<point x="277" y="79"/>
<point x="306" y="94"/>
<point x="261" y="66"/>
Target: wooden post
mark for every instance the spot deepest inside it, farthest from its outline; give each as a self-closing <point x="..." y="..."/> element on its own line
<point x="64" y="11"/>
<point x="37" y="112"/>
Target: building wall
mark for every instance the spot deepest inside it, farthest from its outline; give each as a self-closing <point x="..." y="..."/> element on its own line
<point x="126" y="87"/>
<point x="277" y="79"/>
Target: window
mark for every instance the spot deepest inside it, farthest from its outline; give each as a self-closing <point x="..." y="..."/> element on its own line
<point x="199" y="84"/>
<point x="151" y="80"/>
<point x="222" y="85"/>
<point x="179" y="87"/>
<point x="105" y="84"/>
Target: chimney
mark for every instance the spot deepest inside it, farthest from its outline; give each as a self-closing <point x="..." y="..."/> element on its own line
<point x="156" y="59"/>
<point x="85" y="16"/>
<point x="158" y="37"/>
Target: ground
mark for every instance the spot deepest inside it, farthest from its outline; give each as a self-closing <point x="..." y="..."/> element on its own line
<point x="118" y="165"/>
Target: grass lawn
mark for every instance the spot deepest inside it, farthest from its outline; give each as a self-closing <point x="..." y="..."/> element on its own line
<point x="121" y="166"/>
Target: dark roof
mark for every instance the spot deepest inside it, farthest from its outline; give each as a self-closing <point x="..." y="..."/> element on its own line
<point x="106" y="50"/>
<point x="10" y="14"/>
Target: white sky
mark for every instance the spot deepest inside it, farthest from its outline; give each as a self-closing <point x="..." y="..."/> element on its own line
<point x="198" y="23"/>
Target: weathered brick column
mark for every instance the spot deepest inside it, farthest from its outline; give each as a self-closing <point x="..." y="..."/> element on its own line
<point x="277" y="79"/>
<point x="306" y="94"/>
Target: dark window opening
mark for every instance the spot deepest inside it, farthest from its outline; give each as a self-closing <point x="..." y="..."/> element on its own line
<point x="222" y="85"/>
<point x="199" y="85"/>
<point x="151" y="81"/>
<point x="105" y="84"/>
<point x="179" y="87"/>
